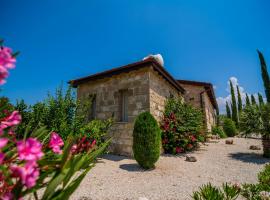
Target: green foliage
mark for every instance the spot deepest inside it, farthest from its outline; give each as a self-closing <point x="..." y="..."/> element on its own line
<point x="5" y="106"/>
<point x="264" y="176"/>
<point x="247" y="100"/>
<point x="250" y="120"/>
<point x="253" y="100"/>
<point x="97" y="129"/>
<point x="61" y="175"/>
<point x="229" y="127"/>
<point x="239" y="100"/>
<point x="259" y="191"/>
<point x="233" y="105"/>
<point x="261" y="101"/>
<point x="266" y="120"/>
<point x="210" y="192"/>
<point x="217" y="130"/>
<point x="265" y="76"/>
<point x="228" y="110"/>
<point x="146" y="140"/>
<point x="181" y="126"/>
<point x="61" y="113"/>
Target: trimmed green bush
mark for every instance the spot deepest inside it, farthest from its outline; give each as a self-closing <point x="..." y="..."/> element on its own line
<point x="229" y="127"/>
<point x="217" y="130"/>
<point x="146" y="140"/>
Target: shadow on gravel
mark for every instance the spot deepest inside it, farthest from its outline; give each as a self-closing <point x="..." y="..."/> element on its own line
<point x="134" y="167"/>
<point x="114" y="157"/>
<point x="250" y="158"/>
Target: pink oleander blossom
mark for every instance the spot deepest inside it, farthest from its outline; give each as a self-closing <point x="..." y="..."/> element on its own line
<point x="30" y="149"/>
<point x="3" y="75"/>
<point x="28" y="173"/>
<point x="55" y="143"/>
<point x="3" y="142"/>
<point x="6" y="196"/>
<point x="12" y="120"/>
<point x="6" y="58"/>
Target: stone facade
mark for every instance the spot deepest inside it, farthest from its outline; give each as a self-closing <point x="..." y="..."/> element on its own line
<point x="198" y="97"/>
<point x="125" y="92"/>
<point x="147" y="91"/>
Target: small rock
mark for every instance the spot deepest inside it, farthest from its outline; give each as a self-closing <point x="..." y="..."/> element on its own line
<point x="191" y="159"/>
<point x="143" y="198"/>
<point x="254" y="147"/>
<point x="229" y="141"/>
<point x="215" y="137"/>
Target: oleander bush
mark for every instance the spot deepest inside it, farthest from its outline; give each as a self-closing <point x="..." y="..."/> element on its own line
<point x="217" y="130"/>
<point x="146" y="140"/>
<point x="38" y="163"/>
<point x="182" y="127"/>
<point x="229" y="127"/>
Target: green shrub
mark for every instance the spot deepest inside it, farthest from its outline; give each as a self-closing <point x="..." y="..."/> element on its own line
<point x="97" y="129"/>
<point x="181" y="127"/>
<point x="229" y="127"/>
<point x="210" y="192"/>
<point x="264" y="176"/>
<point x="250" y="120"/>
<point x="146" y="140"/>
<point x="217" y="130"/>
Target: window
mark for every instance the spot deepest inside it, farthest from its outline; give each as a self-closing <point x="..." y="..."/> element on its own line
<point x="124" y="105"/>
<point x="92" y="110"/>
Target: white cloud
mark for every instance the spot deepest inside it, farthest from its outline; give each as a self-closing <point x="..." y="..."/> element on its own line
<point x="222" y="100"/>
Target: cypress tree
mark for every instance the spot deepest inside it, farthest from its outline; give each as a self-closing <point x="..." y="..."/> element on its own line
<point x="253" y="101"/>
<point x="234" y="106"/>
<point x="228" y="110"/>
<point x="265" y="76"/>
<point x="247" y="100"/>
<point x="239" y="99"/>
<point x="260" y="97"/>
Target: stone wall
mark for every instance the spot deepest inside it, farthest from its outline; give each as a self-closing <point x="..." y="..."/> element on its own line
<point x="107" y="91"/>
<point x="160" y="90"/>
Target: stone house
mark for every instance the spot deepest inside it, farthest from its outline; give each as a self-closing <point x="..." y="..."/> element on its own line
<point x="126" y="91"/>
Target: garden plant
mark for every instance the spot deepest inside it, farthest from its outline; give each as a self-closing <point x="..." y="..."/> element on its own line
<point x="182" y="127"/>
<point x="146" y="140"/>
<point x="259" y="191"/>
<point x="40" y="158"/>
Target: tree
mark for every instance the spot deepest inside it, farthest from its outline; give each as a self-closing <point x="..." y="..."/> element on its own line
<point x="261" y="101"/>
<point x="234" y="106"/>
<point x="146" y="140"/>
<point x="265" y="76"/>
<point x="253" y="100"/>
<point x="250" y="120"/>
<point x="240" y="104"/>
<point x="247" y="100"/>
<point x="228" y="110"/>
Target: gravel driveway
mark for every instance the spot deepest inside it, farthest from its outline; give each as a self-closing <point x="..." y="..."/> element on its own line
<point x="117" y="177"/>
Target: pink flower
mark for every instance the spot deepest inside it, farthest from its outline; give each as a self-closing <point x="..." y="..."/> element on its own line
<point x="3" y="142"/>
<point x="179" y="149"/>
<point x="6" y="59"/>
<point x="12" y="120"/>
<point x="3" y="75"/>
<point x="30" y="149"/>
<point x="55" y="143"/>
<point x="2" y="157"/>
<point x="28" y="173"/>
<point x="74" y="148"/>
<point x="7" y="196"/>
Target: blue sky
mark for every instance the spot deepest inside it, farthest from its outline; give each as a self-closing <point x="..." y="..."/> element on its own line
<point x="199" y="40"/>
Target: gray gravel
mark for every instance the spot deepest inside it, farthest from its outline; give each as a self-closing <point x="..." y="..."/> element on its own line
<point x="117" y="177"/>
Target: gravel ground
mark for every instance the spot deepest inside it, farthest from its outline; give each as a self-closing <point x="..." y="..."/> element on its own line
<point x="118" y="177"/>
